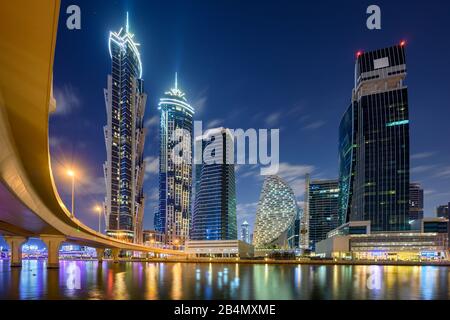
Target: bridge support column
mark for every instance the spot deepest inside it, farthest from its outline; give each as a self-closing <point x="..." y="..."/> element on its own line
<point x="15" y="247"/>
<point x="115" y="255"/>
<point x="53" y="244"/>
<point x="100" y="254"/>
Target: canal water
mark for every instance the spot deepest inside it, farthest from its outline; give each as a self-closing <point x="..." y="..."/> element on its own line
<point x="147" y="280"/>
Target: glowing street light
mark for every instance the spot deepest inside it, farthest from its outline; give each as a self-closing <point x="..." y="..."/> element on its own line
<point x="71" y="174"/>
<point x="99" y="211"/>
<point x="176" y="242"/>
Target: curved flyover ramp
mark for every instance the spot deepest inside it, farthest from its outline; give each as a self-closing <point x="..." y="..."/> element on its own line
<point x="29" y="202"/>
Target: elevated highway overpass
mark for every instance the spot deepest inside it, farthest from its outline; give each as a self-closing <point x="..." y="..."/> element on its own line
<point x="29" y="202"/>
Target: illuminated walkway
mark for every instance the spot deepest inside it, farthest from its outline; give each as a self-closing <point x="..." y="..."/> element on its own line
<point x="29" y="202"/>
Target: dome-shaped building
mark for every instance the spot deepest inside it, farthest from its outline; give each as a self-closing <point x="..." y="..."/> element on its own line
<point x="277" y="208"/>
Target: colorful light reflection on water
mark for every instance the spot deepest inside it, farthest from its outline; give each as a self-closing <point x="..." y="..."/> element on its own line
<point x="147" y="280"/>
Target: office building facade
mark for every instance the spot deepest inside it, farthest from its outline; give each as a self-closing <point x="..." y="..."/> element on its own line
<point x="323" y="201"/>
<point x="124" y="136"/>
<point x="442" y="211"/>
<point x="214" y="216"/>
<point x="374" y="143"/>
<point x="415" y="202"/>
<point x="175" y="166"/>
<point x="294" y="233"/>
<point x="276" y="211"/>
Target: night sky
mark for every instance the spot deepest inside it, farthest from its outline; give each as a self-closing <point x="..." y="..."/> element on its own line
<point x="250" y="64"/>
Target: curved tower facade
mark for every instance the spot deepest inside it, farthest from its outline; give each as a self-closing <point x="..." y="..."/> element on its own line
<point x="175" y="176"/>
<point x="276" y="211"/>
<point x="124" y="136"/>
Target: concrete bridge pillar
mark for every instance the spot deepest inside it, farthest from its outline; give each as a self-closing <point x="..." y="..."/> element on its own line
<point x="15" y="247"/>
<point x="115" y="254"/>
<point x="53" y="244"/>
<point x="100" y="254"/>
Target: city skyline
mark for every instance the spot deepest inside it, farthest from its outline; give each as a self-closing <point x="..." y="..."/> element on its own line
<point x="294" y="165"/>
<point x="277" y="151"/>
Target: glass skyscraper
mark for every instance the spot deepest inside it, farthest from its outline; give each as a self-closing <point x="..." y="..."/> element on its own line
<point x="276" y="211"/>
<point x="415" y="201"/>
<point x="214" y="216"/>
<point x="294" y="234"/>
<point x="124" y="136"/>
<point x="175" y="177"/>
<point x="374" y="143"/>
<point x="322" y="197"/>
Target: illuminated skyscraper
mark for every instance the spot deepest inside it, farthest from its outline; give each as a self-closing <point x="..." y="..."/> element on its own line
<point x="175" y="166"/>
<point x="124" y="136"/>
<point x="245" y="232"/>
<point x="322" y="209"/>
<point x="374" y="143"/>
<point x="214" y="215"/>
<point x="276" y="211"/>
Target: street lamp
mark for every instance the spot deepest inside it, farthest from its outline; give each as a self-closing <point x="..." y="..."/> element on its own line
<point x="99" y="211"/>
<point x="71" y="174"/>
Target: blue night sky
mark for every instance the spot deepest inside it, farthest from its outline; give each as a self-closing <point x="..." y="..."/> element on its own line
<point x="250" y="64"/>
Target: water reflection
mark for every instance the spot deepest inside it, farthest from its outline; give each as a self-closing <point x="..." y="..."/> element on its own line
<point x="221" y="281"/>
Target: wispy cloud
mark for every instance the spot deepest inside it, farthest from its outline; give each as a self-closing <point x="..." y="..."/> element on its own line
<point x="422" y="155"/>
<point x="152" y="122"/>
<point x="422" y="169"/>
<point x="91" y="186"/>
<point x="55" y="142"/>
<point x="273" y="119"/>
<point x="214" y="123"/>
<point x="151" y="166"/>
<point x="246" y="210"/>
<point x="153" y="195"/>
<point x="199" y="102"/>
<point x="445" y="172"/>
<point x="67" y="100"/>
<point x="314" y="125"/>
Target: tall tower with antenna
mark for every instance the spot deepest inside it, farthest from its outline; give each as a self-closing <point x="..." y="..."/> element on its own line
<point x="124" y="137"/>
<point x="175" y="172"/>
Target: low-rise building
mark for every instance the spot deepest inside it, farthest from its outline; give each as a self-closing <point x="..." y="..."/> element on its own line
<point x="428" y="240"/>
<point x="219" y="248"/>
<point x="153" y="238"/>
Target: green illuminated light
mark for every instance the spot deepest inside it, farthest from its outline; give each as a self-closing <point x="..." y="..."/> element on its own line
<point x="397" y="123"/>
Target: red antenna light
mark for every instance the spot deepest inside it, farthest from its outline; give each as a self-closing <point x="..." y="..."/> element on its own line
<point x="358" y="54"/>
<point x="403" y="43"/>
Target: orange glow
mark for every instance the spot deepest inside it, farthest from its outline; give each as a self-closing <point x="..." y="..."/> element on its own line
<point x="403" y="43"/>
<point x="71" y="173"/>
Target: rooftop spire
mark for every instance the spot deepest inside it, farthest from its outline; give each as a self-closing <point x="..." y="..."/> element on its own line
<point x="127" y="29"/>
<point x="176" y="81"/>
